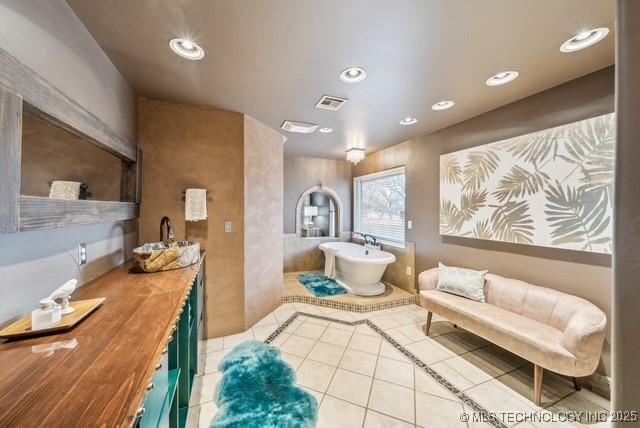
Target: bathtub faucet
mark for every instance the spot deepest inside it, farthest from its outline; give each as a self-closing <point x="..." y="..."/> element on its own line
<point x="366" y="238"/>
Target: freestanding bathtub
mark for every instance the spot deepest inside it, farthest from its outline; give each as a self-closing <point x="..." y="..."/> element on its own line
<point x="359" y="269"/>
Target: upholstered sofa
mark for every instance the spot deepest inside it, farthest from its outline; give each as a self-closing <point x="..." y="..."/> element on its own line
<point x="553" y="330"/>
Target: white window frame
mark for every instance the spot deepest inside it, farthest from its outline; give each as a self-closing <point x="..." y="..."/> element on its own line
<point x="356" y="203"/>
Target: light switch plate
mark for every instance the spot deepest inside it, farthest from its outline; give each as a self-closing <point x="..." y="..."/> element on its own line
<point x="409" y="224"/>
<point x="82" y="254"/>
<point x="408" y="270"/>
<point x="228" y="226"/>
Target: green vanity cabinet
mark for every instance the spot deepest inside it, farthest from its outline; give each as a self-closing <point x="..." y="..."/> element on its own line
<point x="167" y="402"/>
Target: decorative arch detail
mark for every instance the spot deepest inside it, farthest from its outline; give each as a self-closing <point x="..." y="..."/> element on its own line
<point x="331" y="194"/>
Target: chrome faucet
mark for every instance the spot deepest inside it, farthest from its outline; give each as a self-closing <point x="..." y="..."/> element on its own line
<point x="170" y="236"/>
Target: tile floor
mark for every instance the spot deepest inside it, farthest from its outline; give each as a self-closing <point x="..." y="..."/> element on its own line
<point x="361" y="380"/>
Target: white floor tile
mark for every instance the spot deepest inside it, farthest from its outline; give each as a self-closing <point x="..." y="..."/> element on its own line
<point x="207" y="413"/>
<point x="212" y="345"/>
<point x="378" y="420"/>
<point x="336" y="337"/>
<point x="393" y="400"/>
<point x="335" y="413"/>
<point x="315" y="375"/>
<point x="429" y="351"/>
<point x="425" y="383"/>
<point x="213" y="359"/>
<point x="209" y="382"/>
<point x="452" y="376"/>
<point x="388" y="351"/>
<point x="310" y="330"/>
<point x="293" y="360"/>
<point x="358" y="361"/>
<point x="326" y="353"/>
<point x="436" y="412"/>
<point x="298" y="345"/>
<point x="264" y="331"/>
<point x="349" y="386"/>
<point x="395" y="371"/>
<point x="344" y="327"/>
<point x="364" y="343"/>
<point x="279" y="341"/>
<point x="234" y="340"/>
<point x="365" y="329"/>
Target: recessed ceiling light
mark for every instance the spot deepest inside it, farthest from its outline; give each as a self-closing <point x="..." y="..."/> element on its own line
<point x="502" y="78"/>
<point x="442" y="105"/>
<point x="186" y="48"/>
<point x="353" y="75"/>
<point x="408" y="121"/>
<point x="298" y="127"/>
<point x="355" y="154"/>
<point x="584" y="39"/>
<point x="325" y="130"/>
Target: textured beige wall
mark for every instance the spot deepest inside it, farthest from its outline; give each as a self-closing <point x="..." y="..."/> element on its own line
<point x="48" y="38"/>
<point x="301" y="173"/>
<point x="626" y="294"/>
<point x="584" y="274"/>
<point x="51" y="153"/>
<point x="263" y="195"/>
<point x="186" y="146"/>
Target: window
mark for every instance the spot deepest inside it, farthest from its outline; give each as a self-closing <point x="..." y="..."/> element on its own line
<point x="379" y="205"/>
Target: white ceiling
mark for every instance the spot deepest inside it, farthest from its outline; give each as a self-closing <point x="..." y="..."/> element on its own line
<point x="274" y="59"/>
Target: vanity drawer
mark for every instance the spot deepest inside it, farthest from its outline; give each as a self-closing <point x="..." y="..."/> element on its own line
<point x="157" y="392"/>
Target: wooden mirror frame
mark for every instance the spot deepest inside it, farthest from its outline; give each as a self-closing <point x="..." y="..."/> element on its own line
<point x="22" y="90"/>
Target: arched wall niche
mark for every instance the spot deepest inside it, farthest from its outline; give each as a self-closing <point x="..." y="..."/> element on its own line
<point x="334" y="199"/>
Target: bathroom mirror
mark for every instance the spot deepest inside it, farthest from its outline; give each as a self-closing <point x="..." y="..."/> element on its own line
<point x="318" y="213"/>
<point x="58" y="164"/>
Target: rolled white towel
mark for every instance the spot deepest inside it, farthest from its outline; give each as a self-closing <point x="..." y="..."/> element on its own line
<point x="69" y="190"/>
<point x="195" y="207"/>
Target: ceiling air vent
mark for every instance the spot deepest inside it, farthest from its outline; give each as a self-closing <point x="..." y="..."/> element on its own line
<point x="329" y="102"/>
<point x="299" y="127"/>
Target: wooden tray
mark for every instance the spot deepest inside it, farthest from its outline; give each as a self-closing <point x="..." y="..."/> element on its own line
<point x="22" y="327"/>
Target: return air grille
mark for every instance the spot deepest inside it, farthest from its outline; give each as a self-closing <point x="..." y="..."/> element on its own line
<point x="328" y="102"/>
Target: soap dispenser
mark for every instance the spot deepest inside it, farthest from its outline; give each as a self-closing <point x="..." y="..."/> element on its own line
<point x="48" y="315"/>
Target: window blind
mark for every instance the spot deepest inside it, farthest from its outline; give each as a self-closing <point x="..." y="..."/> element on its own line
<point x="379" y="208"/>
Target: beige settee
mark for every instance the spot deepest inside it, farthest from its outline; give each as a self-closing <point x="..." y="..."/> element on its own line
<point x="554" y="330"/>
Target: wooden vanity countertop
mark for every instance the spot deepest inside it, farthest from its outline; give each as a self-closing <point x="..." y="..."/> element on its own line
<point x="101" y="382"/>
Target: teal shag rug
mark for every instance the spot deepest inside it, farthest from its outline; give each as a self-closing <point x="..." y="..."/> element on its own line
<point x="258" y="390"/>
<point x="320" y="285"/>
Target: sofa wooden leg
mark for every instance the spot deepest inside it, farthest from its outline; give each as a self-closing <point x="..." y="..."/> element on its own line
<point x="577" y="384"/>
<point x="537" y="383"/>
<point x="455" y="326"/>
<point x="427" y="326"/>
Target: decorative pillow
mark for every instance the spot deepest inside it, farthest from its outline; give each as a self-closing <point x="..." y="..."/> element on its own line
<point x="463" y="282"/>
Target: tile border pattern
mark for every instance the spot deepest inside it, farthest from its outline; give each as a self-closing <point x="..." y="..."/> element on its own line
<point x="442" y="381"/>
<point x="352" y="307"/>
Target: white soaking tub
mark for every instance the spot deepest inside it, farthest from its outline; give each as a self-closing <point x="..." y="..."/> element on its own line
<point x="359" y="269"/>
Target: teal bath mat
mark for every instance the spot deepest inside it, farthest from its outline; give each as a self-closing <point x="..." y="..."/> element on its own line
<point x="258" y="390"/>
<point x="320" y="285"/>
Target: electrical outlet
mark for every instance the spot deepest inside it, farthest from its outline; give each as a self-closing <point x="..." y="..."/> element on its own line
<point x="409" y="224"/>
<point x="408" y="270"/>
<point x="82" y="254"/>
<point x="228" y="226"/>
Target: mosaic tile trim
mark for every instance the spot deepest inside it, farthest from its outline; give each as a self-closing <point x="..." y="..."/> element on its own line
<point x="352" y="307"/>
<point x="442" y="381"/>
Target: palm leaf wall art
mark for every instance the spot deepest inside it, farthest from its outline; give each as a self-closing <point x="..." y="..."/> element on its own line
<point x="549" y="188"/>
